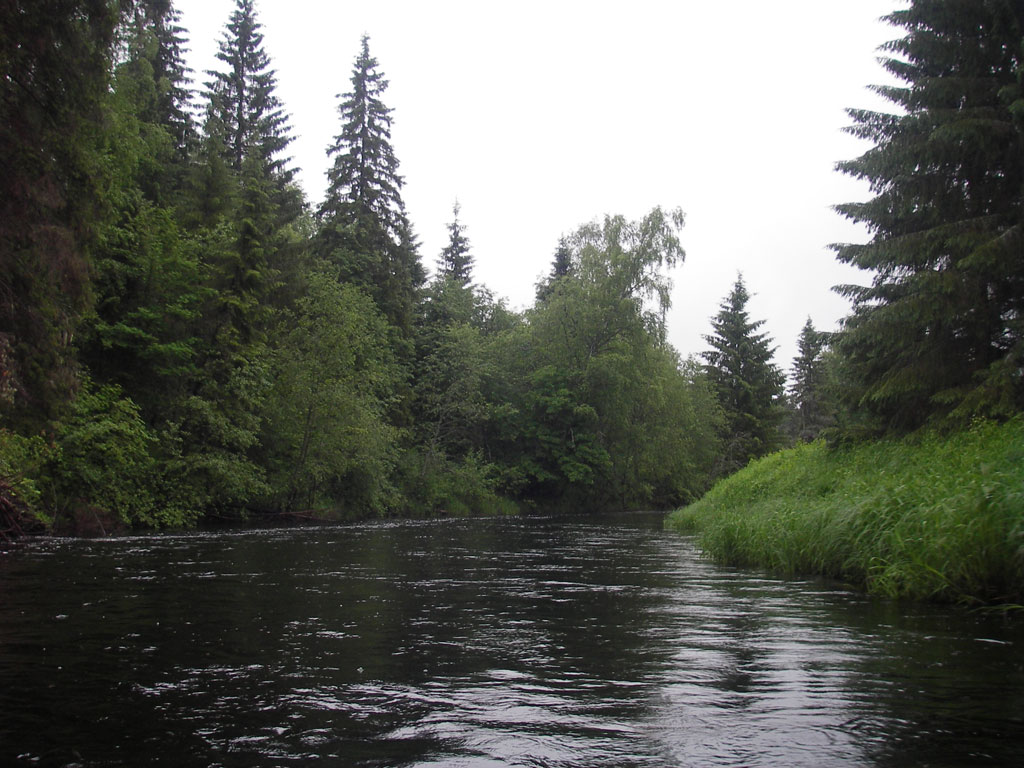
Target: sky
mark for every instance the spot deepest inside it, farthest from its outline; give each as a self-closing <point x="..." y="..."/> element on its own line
<point x="538" y="117"/>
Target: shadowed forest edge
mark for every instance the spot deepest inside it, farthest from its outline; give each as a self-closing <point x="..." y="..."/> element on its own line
<point x="184" y="337"/>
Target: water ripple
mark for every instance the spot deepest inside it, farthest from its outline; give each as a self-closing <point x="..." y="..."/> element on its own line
<point x="537" y="643"/>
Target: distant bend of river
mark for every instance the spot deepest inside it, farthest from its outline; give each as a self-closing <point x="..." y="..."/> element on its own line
<point x="479" y="643"/>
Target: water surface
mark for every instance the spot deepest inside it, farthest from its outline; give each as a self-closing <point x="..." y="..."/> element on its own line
<point x="479" y="643"/>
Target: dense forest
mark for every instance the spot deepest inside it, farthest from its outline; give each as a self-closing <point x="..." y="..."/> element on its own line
<point x="183" y="336"/>
<point x="919" y="492"/>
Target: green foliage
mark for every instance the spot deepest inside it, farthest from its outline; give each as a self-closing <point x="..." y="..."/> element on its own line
<point x="149" y="294"/>
<point x="22" y="460"/>
<point x="938" y="332"/>
<point x="207" y="443"/>
<point x="609" y="417"/>
<point x="104" y="463"/>
<point x="434" y="485"/>
<point x="53" y="82"/>
<point x="329" y="447"/>
<point x="363" y="229"/>
<point x="810" y="402"/>
<point x="748" y="384"/>
<point x="938" y="518"/>
<point x="451" y="403"/>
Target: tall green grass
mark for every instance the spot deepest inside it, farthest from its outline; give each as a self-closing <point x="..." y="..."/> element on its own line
<point x="927" y="518"/>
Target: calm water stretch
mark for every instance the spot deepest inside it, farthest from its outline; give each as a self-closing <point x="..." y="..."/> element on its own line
<point x="480" y="643"/>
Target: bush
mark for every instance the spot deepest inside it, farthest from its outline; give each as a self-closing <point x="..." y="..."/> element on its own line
<point x="103" y="468"/>
<point x="21" y="461"/>
<point x="436" y="485"/>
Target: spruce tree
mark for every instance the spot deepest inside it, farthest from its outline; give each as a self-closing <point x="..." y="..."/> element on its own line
<point x="940" y="328"/>
<point x="748" y="384"/>
<point x="54" y="81"/>
<point x="363" y="228"/>
<point x="154" y="44"/>
<point x="456" y="262"/>
<point x="243" y="98"/>
<point x="561" y="266"/>
<point x="808" y="397"/>
<point x="146" y="275"/>
<point x="247" y="183"/>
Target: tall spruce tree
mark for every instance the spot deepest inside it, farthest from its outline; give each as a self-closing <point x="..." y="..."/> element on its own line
<point x="940" y="328"/>
<point x="249" y="177"/>
<point x="243" y="98"/>
<point x="748" y="384"/>
<point x="363" y="227"/>
<point x="456" y="262"/>
<point x="246" y="214"/>
<point x="810" y="411"/>
<point x="146" y="277"/>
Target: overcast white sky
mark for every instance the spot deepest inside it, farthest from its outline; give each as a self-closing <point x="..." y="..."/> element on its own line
<point x="540" y="116"/>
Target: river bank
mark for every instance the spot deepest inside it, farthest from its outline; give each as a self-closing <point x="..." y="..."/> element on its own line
<point x="926" y="518"/>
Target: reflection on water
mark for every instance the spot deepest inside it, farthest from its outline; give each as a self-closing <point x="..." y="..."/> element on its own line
<point x="480" y="643"/>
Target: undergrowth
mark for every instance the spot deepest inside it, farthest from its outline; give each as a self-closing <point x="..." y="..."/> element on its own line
<point x="928" y="517"/>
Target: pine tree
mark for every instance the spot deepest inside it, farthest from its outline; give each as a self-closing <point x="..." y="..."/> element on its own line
<point x="749" y="386"/>
<point x="364" y="230"/>
<point x="808" y="398"/>
<point x="456" y="262"/>
<point x="941" y="327"/>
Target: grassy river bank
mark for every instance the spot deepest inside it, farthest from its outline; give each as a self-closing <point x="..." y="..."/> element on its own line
<point x="926" y="518"/>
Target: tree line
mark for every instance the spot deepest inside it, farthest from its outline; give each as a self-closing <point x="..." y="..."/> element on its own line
<point x="183" y="336"/>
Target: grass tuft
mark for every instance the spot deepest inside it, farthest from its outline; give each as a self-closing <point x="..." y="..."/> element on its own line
<point x="929" y="518"/>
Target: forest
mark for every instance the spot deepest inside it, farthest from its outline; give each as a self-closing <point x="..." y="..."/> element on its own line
<point x="184" y="338"/>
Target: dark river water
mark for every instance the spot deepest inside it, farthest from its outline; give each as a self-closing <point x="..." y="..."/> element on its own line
<point x="479" y="643"/>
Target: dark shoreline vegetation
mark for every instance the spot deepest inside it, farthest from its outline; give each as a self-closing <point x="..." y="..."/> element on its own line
<point x="185" y="337"/>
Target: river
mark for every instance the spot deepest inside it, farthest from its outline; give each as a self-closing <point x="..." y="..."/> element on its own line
<point x="479" y="643"/>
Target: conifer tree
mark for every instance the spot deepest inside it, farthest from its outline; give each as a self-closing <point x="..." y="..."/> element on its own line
<point x="748" y="384"/>
<point x="54" y="77"/>
<point x="561" y="266"/>
<point x="363" y="227"/>
<point x="808" y="398"/>
<point x="146" y="278"/>
<point x="940" y="329"/>
<point x="248" y="182"/>
<point x="243" y="97"/>
<point x="154" y="44"/>
<point x="456" y="262"/>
